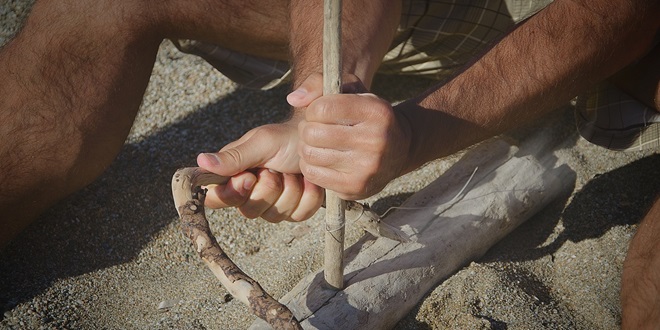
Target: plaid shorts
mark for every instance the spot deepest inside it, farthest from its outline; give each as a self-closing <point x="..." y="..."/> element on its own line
<point x="610" y="118"/>
<point x="437" y="37"/>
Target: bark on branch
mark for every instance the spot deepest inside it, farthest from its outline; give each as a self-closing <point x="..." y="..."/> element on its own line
<point x="189" y="200"/>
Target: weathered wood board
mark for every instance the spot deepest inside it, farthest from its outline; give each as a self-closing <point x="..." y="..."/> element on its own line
<point x="451" y="222"/>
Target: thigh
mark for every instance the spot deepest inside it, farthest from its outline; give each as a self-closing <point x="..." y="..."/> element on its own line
<point x="254" y="27"/>
<point x="437" y="36"/>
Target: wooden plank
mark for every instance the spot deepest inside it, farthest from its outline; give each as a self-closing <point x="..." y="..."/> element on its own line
<point x="450" y="224"/>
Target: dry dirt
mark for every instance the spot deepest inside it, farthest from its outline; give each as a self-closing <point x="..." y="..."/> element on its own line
<point x="108" y="256"/>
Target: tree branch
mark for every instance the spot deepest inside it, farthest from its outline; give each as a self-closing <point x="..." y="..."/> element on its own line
<point x="189" y="200"/>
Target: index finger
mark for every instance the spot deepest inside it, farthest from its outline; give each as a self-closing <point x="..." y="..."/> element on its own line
<point x="332" y="109"/>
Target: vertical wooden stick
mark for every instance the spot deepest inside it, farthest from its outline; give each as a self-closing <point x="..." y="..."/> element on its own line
<point x="335" y="206"/>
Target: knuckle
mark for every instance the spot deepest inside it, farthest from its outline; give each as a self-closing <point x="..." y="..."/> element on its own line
<point x="368" y="167"/>
<point x="255" y="209"/>
<point x="380" y="108"/>
<point x="359" y="189"/>
<point x="306" y="132"/>
<point x="234" y="155"/>
<point x="293" y="185"/>
<point x="248" y="212"/>
<point x="269" y="129"/>
<point x="309" y="154"/>
<point x="274" y="214"/>
<point x="234" y="200"/>
<point x="311" y="173"/>
<point x="317" y="133"/>
<point x="322" y="108"/>
<point x="273" y="217"/>
<point x="230" y="196"/>
<point x="271" y="182"/>
<point x="214" y="203"/>
<point x="262" y="132"/>
<point x="302" y="216"/>
<point x="265" y="132"/>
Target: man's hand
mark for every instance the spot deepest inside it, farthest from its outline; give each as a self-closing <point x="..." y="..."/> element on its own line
<point x="264" y="164"/>
<point x="266" y="180"/>
<point x="353" y="144"/>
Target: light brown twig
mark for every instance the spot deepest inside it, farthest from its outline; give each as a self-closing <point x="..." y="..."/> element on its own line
<point x="335" y="218"/>
<point x="189" y="200"/>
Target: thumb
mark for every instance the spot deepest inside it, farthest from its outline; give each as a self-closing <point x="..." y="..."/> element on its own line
<point x="233" y="160"/>
<point x="310" y="90"/>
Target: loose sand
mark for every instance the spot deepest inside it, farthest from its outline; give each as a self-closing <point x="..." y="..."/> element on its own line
<point x="110" y="255"/>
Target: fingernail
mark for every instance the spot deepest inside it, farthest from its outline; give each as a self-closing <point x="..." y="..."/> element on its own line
<point x="249" y="183"/>
<point x="212" y="159"/>
<point x="299" y="93"/>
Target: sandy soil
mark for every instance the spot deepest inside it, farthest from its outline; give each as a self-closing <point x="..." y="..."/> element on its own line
<point x="109" y="256"/>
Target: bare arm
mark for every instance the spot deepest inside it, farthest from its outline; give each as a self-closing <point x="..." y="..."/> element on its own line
<point x="543" y="63"/>
<point x="367" y="31"/>
<point x="368" y="28"/>
<point x="561" y="51"/>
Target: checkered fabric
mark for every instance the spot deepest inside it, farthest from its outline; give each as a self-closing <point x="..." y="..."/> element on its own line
<point x="437" y="37"/>
<point x="434" y="38"/>
<point x="608" y="117"/>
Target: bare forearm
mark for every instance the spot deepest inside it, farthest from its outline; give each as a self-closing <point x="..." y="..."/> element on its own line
<point x="640" y="285"/>
<point x="368" y="28"/>
<point x="542" y="64"/>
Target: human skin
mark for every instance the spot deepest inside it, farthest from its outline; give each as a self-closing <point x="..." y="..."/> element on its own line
<point x="543" y="63"/>
<point x="528" y="73"/>
<point x="640" y="282"/>
<point x="281" y="193"/>
<point x="75" y="75"/>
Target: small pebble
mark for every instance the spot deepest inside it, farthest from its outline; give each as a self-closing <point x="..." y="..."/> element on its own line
<point x="167" y="304"/>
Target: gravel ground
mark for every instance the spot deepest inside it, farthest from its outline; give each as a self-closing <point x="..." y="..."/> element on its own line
<point x="109" y="256"/>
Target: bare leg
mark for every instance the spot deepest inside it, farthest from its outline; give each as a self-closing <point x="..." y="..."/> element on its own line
<point x="74" y="78"/>
<point x="640" y="285"/>
<point x="640" y="282"/>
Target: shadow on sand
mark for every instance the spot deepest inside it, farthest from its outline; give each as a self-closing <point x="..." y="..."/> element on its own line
<point x="110" y="221"/>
